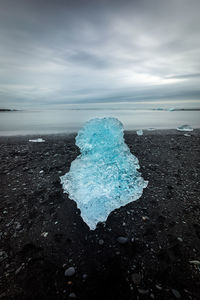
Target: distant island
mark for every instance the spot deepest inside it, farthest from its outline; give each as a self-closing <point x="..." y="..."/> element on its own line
<point x="187" y="109"/>
<point x="7" y="109"/>
<point x="177" y="109"/>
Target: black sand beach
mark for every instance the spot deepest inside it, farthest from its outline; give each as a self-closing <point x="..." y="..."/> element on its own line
<point x="42" y="233"/>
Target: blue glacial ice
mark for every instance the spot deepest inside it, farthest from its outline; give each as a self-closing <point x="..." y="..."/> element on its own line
<point x="139" y="132"/>
<point x="104" y="176"/>
<point x="185" y="128"/>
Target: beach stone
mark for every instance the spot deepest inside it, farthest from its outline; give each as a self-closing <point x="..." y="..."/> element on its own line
<point x="195" y="262"/>
<point x="70" y="271"/>
<point x="2" y="295"/>
<point x="72" y="296"/>
<point x="44" y="234"/>
<point x="143" y="292"/>
<point x="136" y="278"/>
<point x="122" y="239"/>
<point x="180" y="239"/>
<point x="3" y="255"/>
<point x="18" y="226"/>
<point x="176" y="294"/>
<point x="18" y="270"/>
<point x="145" y="218"/>
<point x="158" y="286"/>
<point x="101" y="242"/>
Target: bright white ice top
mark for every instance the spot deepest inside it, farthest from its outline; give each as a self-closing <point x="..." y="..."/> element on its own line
<point x="104" y="176"/>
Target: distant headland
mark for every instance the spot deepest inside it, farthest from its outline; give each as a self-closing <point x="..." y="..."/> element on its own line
<point x="7" y="109"/>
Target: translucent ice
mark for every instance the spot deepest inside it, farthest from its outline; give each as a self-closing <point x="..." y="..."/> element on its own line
<point x="139" y="132"/>
<point x="39" y="140"/>
<point x="151" y="129"/>
<point x="104" y="176"/>
<point x="185" y="128"/>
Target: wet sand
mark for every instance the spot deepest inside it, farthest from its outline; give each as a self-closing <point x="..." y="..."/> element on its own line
<point x="42" y="233"/>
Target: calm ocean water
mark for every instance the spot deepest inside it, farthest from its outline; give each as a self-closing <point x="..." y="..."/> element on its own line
<point x="67" y="121"/>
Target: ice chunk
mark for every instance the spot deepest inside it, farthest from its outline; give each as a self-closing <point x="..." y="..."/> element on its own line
<point x="104" y="176"/>
<point x="151" y="129"/>
<point x="39" y="140"/>
<point x="139" y="132"/>
<point x="158" y="108"/>
<point x="185" y="128"/>
<point x="171" y="109"/>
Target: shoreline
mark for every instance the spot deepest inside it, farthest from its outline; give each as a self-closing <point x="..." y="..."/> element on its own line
<point x="42" y="233"/>
<point x="155" y="131"/>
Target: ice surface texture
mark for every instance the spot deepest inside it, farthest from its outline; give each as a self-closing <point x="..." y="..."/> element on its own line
<point x="104" y="176"/>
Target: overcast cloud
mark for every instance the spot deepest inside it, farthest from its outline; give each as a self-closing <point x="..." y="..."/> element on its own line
<point x="60" y="51"/>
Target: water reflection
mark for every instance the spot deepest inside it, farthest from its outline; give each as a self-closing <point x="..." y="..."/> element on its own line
<point x="66" y="121"/>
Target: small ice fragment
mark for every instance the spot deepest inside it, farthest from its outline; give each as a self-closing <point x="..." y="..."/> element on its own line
<point x="139" y="132"/>
<point x="104" y="176"/>
<point x="171" y="109"/>
<point x="44" y="234"/>
<point x="39" y="140"/>
<point x="151" y="129"/>
<point x="186" y="134"/>
<point x="185" y="128"/>
<point x="41" y="171"/>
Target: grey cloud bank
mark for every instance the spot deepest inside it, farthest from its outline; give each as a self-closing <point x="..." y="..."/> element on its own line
<point x="65" y="52"/>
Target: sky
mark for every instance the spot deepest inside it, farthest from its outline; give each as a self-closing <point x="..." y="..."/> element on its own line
<point x="59" y="52"/>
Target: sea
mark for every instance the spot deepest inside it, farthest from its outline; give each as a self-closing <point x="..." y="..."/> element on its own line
<point x="70" y="120"/>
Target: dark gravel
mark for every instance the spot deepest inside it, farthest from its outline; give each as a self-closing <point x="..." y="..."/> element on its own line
<point x="42" y="233"/>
